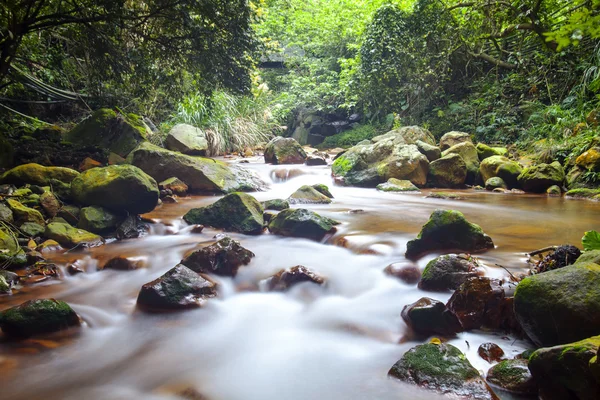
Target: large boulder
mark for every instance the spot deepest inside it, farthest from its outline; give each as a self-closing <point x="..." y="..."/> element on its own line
<point x="199" y="173"/>
<point x="442" y="368"/>
<point x="187" y="139"/>
<point x="453" y="138"/>
<point x="68" y="236"/>
<point x="468" y="152"/>
<point x="302" y="223"/>
<point x="567" y="372"/>
<point x="484" y="151"/>
<point x="448" y="230"/>
<point x="107" y="129"/>
<point x="407" y="135"/>
<point x="447" y="272"/>
<point x="98" y="219"/>
<point x="238" y="212"/>
<point x="430" y="151"/>
<point x="430" y="317"/>
<point x="179" y="288"/>
<point x="37" y="174"/>
<point x="589" y="160"/>
<point x="513" y="376"/>
<point x="284" y="151"/>
<point x="223" y="258"/>
<point x="308" y="195"/>
<point x="540" y="177"/>
<point x="118" y="188"/>
<point x="448" y="172"/>
<point x="36" y="317"/>
<point x="502" y="167"/>
<point x="560" y="306"/>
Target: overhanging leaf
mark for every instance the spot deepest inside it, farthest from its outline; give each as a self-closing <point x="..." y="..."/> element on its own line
<point x="591" y="241"/>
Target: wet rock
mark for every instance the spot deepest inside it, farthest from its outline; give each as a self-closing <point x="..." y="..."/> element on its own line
<point x="69" y="213"/>
<point x="397" y="185"/>
<point x="277" y="204"/>
<point x="116" y="159"/>
<point x="31" y="229"/>
<point x="179" y="288"/>
<point x="567" y="371"/>
<point x="468" y="152"/>
<point x="480" y="302"/>
<point x="513" y="376"/>
<point x="123" y="264"/>
<point x="560" y="306"/>
<point x="4" y="286"/>
<point x="323" y="189"/>
<point x="36" y="317"/>
<point x="308" y="195"/>
<point x="197" y="229"/>
<point x="175" y="185"/>
<point x="187" y="139"/>
<point x="501" y="167"/>
<point x="74" y="269"/>
<point x="69" y="237"/>
<point x="315" y="159"/>
<point x="448" y="230"/>
<point x="49" y="246"/>
<point x="453" y="138"/>
<point x="117" y="188"/>
<point x="448" y="272"/>
<point x="430" y="317"/>
<point x="199" y="173"/>
<point x="302" y="223"/>
<point x="447" y="172"/>
<point x="490" y="352"/>
<point x="6" y="214"/>
<point x="98" y="219"/>
<point x="284" y="174"/>
<point x="430" y="151"/>
<point x="495" y="183"/>
<point x="484" y="151"/>
<point x="169" y="199"/>
<point x="589" y="160"/>
<point x="409" y="274"/>
<point x="287" y="278"/>
<point x="49" y="204"/>
<point x="34" y="257"/>
<point x="237" y="212"/>
<point x="442" y="368"/>
<point x="132" y="227"/>
<point x="284" y="151"/>
<point x="540" y="177"/>
<point x="89" y="163"/>
<point x="583" y="193"/>
<point x="22" y="214"/>
<point x="223" y="258"/>
<point x="38" y="175"/>
<point x="554" y="190"/>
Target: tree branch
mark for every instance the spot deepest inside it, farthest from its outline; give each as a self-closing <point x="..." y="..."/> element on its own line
<point x="492" y="60"/>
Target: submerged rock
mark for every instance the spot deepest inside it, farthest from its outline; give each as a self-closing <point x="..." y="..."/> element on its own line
<point x="429" y="317"/>
<point x="187" y="139"/>
<point x="287" y="278"/>
<point x="179" y="288"/>
<point x="442" y="368"/>
<point x="397" y="185"/>
<point x="36" y="317"/>
<point x="284" y="151"/>
<point x="447" y="172"/>
<point x="308" y="195"/>
<point x="513" y="376"/>
<point x="238" y="212"/>
<point x="68" y="236"/>
<point x="223" y="258"/>
<point x="447" y="272"/>
<point x="540" y="177"/>
<point x="122" y="264"/>
<point x="302" y="223"/>
<point x="38" y="175"/>
<point x="490" y="352"/>
<point x="453" y="138"/>
<point x="407" y="273"/>
<point x="448" y="230"/>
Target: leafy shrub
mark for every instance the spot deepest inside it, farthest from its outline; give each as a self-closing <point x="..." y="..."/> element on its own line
<point x="351" y="137"/>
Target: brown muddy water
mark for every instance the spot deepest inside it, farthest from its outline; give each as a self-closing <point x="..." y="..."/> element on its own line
<point x="335" y="342"/>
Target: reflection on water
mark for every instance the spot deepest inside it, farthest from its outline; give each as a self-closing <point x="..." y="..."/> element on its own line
<point x="332" y="342"/>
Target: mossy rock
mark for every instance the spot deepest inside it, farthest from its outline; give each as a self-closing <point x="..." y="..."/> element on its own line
<point x="308" y="195"/>
<point x="554" y="190"/>
<point x="430" y="151"/>
<point x="453" y="138"/>
<point x="175" y="185"/>
<point x="442" y="368"/>
<point x="407" y="135"/>
<point x="6" y="215"/>
<point x="448" y="230"/>
<point x="447" y="172"/>
<point x="118" y="188"/>
<point x="4" y="286"/>
<point x="11" y="253"/>
<point x="36" y="317"/>
<point x="582" y="193"/>
<point x="591" y="256"/>
<point x="323" y="189"/>
<point x="107" y="129"/>
<point x="566" y="371"/>
<point x="24" y="214"/>
<point x="69" y="213"/>
<point x="33" y="200"/>
<point x="484" y="151"/>
<point x="98" y="219"/>
<point x="187" y="139"/>
<point x="540" y="177"/>
<point x="31" y="229"/>
<point x="49" y="204"/>
<point x="222" y="258"/>
<point x="447" y="272"/>
<point x="284" y="151"/>
<point x="513" y="376"/>
<point x="560" y="306"/>
<point x="238" y="212"/>
<point x="501" y="167"/>
<point x="199" y="173"/>
<point x="427" y="317"/>
<point x="276" y="204"/>
<point x="495" y="183"/>
<point x="468" y="152"/>
<point x="68" y="236"/>
<point x="37" y="174"/>
<point x="302" y="223"/>
<point x="589" y="160"/>
<point x="397" y="185"/>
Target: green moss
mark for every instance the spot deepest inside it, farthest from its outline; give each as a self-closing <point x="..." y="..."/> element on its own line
<point x="38" y="175"/>
<point x="24" y="214"/>
<point x="308" y="195"/>
<point x="323" y="189"/>
<point x="68" y="236"/>
<point x="277" y="204"/>
<point x="301" y="223"/>
<point x="38" y="316"/>
<point x="98" y="220"/>
<point x="583" y="193"/>
<point x="351" y="137"/>
<point x="341" y="166"/>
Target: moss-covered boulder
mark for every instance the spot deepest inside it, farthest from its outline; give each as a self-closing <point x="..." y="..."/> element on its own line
<point x="442" y="368"/>
<point x="118" y="188"/>
<point x="501" y="167"/>
<point x="495" y="183"/>
<point x="427" y="317"/>
<point x="566" y="371"/>
<point x="68" y="236"/>
<point x="302" y="223"/>
<point x="276" y="204"/>
<point x="589" y="160"/>
<point x="180" y="288"/>
<point x="560" y="306"/>
<point x="187" y="139"/>
<point x="453" y="138"/>
<point x="468" y="152"/>
<point x="238" y="212"/>
<point x="540" y="177"/>
<point x="447" y="172"/>
<point x="223" y="258"/>
<point x="11" y="253"/>
<point x="36" y="174"/>
<point x="199" y="173"/>
<point x="430" y="151"/>
<point x="323" y="189"/>
<point x="397" y="185"/>
<point x="448" y="230"/>
<point x="99" y="220"/>
<point x="108" y="129"/>
<point x="32" y="230"/>
<point x="24" y="214"/>
<point x="308" y="195"/>
<point x="282" y="150"/>
<point x="554" y="190"/>
<point x="36" y="317"/>
<point x="6" y="215"/>
<point x="513" y="376"/>
<point x="591" y="256"/>
<point x="484" y="151"/>
<point x="447" y="272"/>
<point x="175" y="185"/>
<point x="406" y="135"/>
<point x="582" y="193"/>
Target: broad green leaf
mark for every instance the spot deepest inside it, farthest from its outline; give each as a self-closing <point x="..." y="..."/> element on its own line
<point x="591" y="241"/>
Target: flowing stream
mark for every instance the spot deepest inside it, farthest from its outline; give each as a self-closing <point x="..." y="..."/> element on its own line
<point x="335" y="342"/>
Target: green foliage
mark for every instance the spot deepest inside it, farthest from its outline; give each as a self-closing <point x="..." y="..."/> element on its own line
<point x="583" y="22"/>
<point x="591" y="241"/>
<point x="352" y="137"/>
